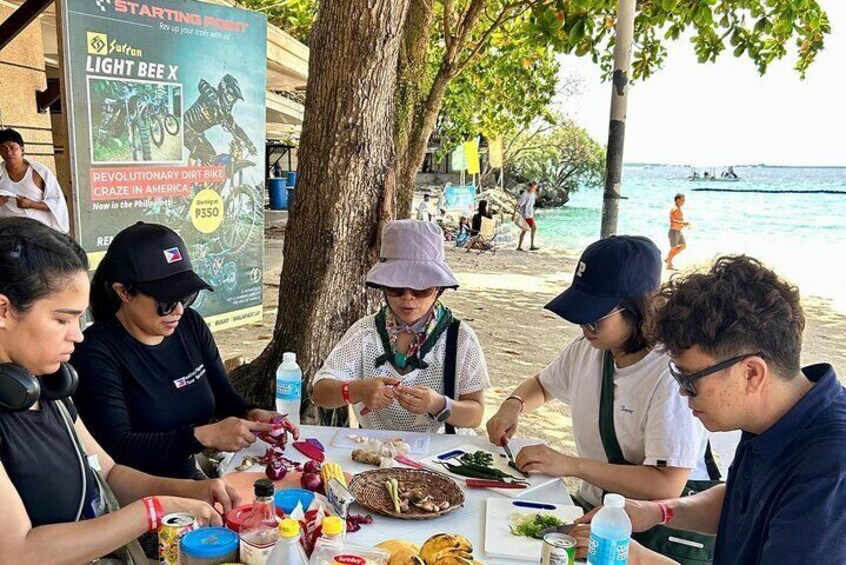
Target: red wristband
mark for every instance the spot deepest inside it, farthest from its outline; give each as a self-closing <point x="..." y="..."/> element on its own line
<point x="345" y="391"/>
<point x="154" y="513"/>
<point x="666" y="512"/>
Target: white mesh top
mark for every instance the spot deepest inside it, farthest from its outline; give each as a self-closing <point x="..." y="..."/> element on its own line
<point x="354" y="357"/>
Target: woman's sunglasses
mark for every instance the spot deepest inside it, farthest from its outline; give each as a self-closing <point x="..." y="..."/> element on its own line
<point x="398" y="292"/>
<point x="167" y="308"/>
<point x="686" y="382"/>
<point x="593" y="327"/>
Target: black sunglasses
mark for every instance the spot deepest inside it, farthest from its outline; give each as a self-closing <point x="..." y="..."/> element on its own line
<point x="167" y="308"/>
<point x="398" y="292"/>
<point x="686" y="382"/>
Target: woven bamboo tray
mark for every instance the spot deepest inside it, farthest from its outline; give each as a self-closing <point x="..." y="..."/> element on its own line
<point x="369" y="491"/>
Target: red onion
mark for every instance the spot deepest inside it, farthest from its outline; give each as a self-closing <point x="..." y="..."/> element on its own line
<point x="276" y="470"/>
<point x="312" y="482"/>
<point x="311" y="466"/>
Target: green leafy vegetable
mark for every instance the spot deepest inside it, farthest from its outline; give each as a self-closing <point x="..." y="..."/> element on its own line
<point x="528" y="525"/>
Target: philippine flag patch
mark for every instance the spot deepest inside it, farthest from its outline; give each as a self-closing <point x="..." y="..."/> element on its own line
<point x="172" y="255"/>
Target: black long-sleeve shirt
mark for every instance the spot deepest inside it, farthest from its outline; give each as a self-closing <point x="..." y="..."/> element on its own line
<point x="142" y="402"/>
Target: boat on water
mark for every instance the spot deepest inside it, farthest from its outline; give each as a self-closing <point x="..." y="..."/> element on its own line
<point x="710" y="175"/>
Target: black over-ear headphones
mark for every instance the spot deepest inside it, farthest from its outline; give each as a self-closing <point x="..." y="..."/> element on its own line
<point x="20" y="389"/>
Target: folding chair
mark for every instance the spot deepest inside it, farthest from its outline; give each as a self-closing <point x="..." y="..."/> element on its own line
<point x="483" y="241"/>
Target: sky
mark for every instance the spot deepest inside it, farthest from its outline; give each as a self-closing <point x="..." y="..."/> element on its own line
<point x="726" y="113"/>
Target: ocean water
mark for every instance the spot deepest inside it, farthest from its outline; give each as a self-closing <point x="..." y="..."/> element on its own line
<point x="801" y="236"/>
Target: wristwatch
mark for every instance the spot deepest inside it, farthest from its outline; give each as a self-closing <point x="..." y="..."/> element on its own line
<point x="444" y="414"/>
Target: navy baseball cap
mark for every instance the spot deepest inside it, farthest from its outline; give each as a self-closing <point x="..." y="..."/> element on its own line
<point x="153" y="259"/>
<point x="608" y="271"/>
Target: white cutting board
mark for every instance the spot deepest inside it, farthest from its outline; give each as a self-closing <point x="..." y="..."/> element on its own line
<point x="499" y="540"/>
<point x="419" y="443"/>
<point x="536" y="481"/>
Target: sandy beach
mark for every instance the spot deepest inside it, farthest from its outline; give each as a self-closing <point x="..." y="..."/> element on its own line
<point x="502" y="296"/>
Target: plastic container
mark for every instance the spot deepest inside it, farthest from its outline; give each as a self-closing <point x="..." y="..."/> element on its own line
<point x="285" y="500"/>
<point x="332" y="531"/>
<point x="291" y="177"/>
<point x="208" y="546"/>
<point x="235" y="518"/>
<point x="288" y="550"/>
<point x="259" y="530"/>
<point x="289" y="386"/>
<point x="277" y="188"/>
<point x="331" y="553"/>
<point x="610" y="532"/>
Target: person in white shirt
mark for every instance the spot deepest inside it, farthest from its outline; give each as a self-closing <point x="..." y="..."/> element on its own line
<point x="526" y="210"/>
<point x="393" y="366"/>
<point x="423" y="212"/>
<point x="662" y="442"/>
<point x="27" y="188"/>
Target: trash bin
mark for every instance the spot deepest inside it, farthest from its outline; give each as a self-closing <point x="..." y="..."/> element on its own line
<point x="278" y="193"/>
<point x="292" y="178"/>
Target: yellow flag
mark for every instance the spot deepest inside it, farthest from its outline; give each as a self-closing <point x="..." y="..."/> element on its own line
<point x="471" y="154"/>
<point x="495" y="147"/>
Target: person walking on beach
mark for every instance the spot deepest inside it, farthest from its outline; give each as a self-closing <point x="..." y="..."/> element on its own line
<point x="423" y="212"/>
<point x="526" y="209"/>
<point x="677" y="224"/>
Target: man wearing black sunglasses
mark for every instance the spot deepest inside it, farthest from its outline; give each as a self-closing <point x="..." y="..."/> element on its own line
<point x="734" y="335"/>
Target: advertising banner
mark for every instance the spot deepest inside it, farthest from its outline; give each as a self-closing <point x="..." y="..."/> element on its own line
<point x="460" y="199"/>
<point x="166" y="114"/>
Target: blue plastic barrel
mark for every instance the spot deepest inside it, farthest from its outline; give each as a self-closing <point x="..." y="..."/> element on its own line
<point x="292" y="178"/>
<point x="278" y="193"/>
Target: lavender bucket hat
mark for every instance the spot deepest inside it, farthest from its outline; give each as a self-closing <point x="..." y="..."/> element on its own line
<point x="412" y="257"/>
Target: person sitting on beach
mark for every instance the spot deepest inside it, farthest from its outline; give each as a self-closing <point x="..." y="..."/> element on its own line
<point x="481" y="212"/>
<point x="27" y="188"/>
<point x="392" y="366"/>
<point x="612" y="369"/>
<point x="675" y="235"/>
<point x="734" y="334"/>
<point x="462" y="234"/>
<point x="59" y="488"/>
<point x="153" y="386"/>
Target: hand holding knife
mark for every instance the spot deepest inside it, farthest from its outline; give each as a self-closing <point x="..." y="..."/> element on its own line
<point x="508" y="453"/>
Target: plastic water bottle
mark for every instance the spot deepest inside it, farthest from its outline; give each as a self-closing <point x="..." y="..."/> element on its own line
<point x="610" y="532"/>
<point x="289" y="385"/>
<point x="288" y="550"/>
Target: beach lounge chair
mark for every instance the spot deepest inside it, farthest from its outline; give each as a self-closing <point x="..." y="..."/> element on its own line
<point x="483" y="241"/>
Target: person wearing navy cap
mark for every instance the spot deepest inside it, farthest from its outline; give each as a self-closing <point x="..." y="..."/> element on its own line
<point x="153" y="387"/>
<point x="612" y="365"/>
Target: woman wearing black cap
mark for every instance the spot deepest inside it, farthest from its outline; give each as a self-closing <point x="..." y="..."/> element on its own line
<point x="55" y="508"/>
<point x="658" y="437"/>
<point x="154" y="390"/>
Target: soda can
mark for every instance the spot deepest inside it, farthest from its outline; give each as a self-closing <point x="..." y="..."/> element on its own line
<point x="558" y="549"/>
<point x="173" y="527"/>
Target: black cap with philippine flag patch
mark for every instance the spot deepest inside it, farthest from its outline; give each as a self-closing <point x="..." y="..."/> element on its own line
<point x="153" y="259"/>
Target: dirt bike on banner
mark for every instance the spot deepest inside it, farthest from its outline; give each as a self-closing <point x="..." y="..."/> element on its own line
<point x="213" y="267"/>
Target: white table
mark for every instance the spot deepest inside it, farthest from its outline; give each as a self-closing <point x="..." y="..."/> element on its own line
<point x="468" y="521"/>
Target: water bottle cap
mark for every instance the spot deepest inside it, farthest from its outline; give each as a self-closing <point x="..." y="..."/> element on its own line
<point x="614" y="501"/>
<point x="289" y="528"/>
<point x="289" y="357"/>
<point x="263" y="488"/>
<point x="333" y="526"/>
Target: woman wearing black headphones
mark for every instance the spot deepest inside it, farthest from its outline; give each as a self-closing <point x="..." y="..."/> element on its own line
<point x="55" y="508"/>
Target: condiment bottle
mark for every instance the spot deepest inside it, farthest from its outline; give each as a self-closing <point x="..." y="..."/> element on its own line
<point x="288" y="550"/>
<point x="259" y="531"/>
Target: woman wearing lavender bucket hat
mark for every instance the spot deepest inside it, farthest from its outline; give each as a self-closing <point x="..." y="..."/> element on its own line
<point x="412" y="366"/>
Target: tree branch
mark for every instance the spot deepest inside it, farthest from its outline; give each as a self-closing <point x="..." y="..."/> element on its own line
<point x="501" y="19"/>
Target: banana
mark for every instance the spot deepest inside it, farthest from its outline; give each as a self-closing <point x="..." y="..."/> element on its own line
<point x="442" y="546"/>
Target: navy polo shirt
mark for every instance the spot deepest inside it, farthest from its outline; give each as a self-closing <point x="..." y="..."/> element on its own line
<point x="785" y="496"/>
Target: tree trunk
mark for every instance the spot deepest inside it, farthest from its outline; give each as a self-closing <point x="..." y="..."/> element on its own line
<point x="347" y="166"/>
<point x="421" y="129"/>
<point x="411" y="79"/>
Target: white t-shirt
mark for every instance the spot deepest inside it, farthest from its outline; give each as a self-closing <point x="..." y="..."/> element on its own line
<point x="526" y="203"/>
<point x="353" y="358"/>
<point x="423" y="212"/>
<point x="653" y="422"/>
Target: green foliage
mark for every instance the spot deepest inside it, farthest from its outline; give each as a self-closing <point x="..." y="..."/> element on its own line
<point x="292" y="16"/>
<point x="561" y="157"/>
<point x="506" y="88"/>
<point x="763" y="30"/>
